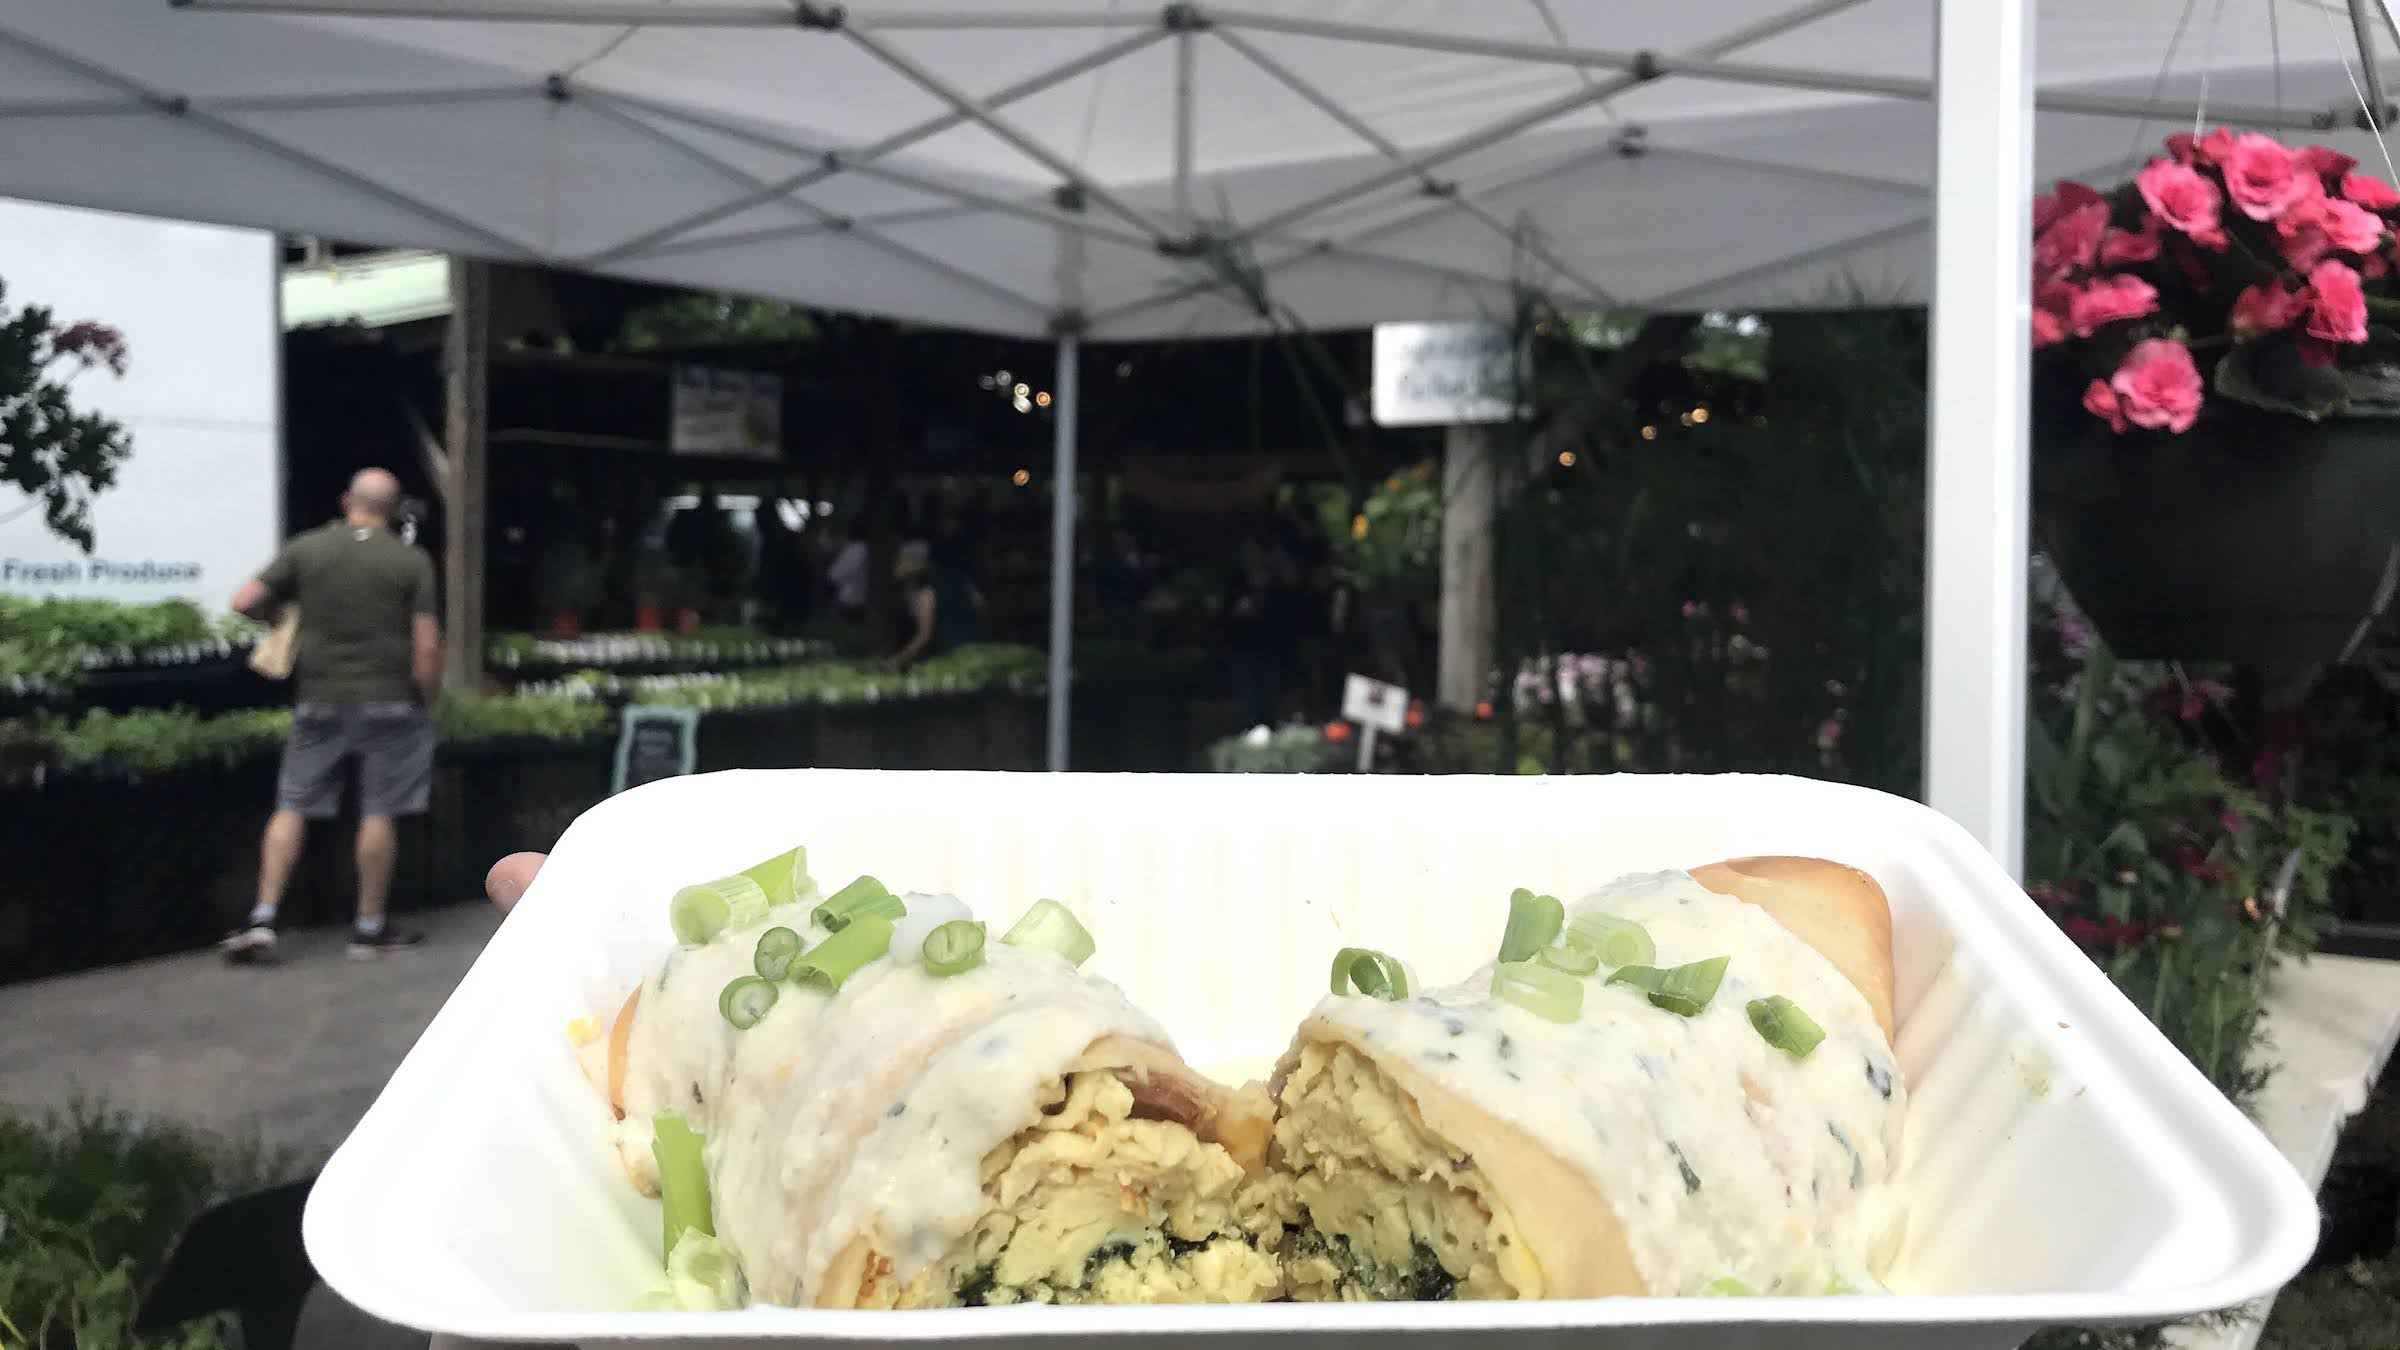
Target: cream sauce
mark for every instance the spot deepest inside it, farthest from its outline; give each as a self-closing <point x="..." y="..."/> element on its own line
<point x="1722" y="1154"/>
<point x="866" y="1113"/>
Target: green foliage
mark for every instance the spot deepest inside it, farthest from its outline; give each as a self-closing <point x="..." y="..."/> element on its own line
<point x="725" y="645"/>
<point x="57" y="457"/>
<point x="60" y="639"/>
<point x="1396" y="539"/>
<point x="91" y="1200"/>
<point x="967" y="670"/>
<point x="148" y="741"/>
<point x="713" y="320"/>
<point x="530" y="716"/>
<point x="1710" y="548"/>
<point x="1299" y="749"/>
<point x="2159" y="864"/>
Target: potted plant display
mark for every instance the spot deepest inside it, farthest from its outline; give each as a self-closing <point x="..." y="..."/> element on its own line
<point x="2217" y="386"/>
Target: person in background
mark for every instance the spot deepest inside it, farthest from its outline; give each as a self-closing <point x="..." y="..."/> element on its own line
<point x="945" y="608"/>
<point x="847" y="572"/>
<point x="369" y="669"/>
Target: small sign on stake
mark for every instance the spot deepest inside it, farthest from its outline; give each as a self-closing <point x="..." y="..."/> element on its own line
<point x="655" y="743"/>
<point x="1376" y="707"/>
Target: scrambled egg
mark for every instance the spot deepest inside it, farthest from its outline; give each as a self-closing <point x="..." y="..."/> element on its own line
<point x="1094" y="1205"/>
<point x="1372" y="1205"/>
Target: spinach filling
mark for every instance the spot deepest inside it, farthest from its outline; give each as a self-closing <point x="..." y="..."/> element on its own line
<point x="1422" y="1281"/>
<point x="983" y="1288"/>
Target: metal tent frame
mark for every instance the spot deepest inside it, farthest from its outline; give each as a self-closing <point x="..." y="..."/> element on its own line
<point x="1983" y="92"/>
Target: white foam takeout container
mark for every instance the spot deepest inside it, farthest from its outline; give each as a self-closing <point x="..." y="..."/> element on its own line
<point x="2069" y="1165"/>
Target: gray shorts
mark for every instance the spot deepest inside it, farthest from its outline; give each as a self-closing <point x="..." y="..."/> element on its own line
<point x="392" y="742"/>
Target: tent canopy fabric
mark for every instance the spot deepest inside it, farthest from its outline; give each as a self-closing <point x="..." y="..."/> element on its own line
<point x="1122" y="170"/>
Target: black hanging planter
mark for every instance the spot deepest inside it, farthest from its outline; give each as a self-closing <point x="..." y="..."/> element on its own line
<point x="2254" y="537"/>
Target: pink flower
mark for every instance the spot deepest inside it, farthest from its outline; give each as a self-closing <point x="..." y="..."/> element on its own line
<point x="2109" y="300"/>
<point x="2072" y="241"/>
<point x="2101" y="401"/>
<point x="2371" y="193"/>
<point x="2180" y="195"/>
<point x="2158" y="386"/>
<point x="2120" y="248"/>
<point x="2315" y="227"/>
<point x="2051" y="302"/>
<point x="2069" y="197"/>
<point x="2263" y="179"/>
<point x="2265" y="308"/>
<point x="2337" y="307"/>
<point x="2188" y="149"/>
<point x="2323" y="161"/>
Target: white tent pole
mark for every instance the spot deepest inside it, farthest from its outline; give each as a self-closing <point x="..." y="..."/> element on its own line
<point x="1978" y="475"/>
<point x="1062" y="550"/>
<point x="1184" y="126"/>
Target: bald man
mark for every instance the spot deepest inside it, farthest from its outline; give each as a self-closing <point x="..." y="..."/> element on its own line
<point x="369" y="668"/>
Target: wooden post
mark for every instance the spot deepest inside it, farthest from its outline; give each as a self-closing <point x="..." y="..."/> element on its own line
<point x="1470" y="575"/>
<point x="467" y="370"/>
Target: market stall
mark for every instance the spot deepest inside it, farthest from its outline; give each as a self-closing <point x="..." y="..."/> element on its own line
<point x="1088" y="171"/>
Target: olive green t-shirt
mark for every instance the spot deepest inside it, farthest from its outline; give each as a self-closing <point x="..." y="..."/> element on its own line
<point x="359" y="592"/>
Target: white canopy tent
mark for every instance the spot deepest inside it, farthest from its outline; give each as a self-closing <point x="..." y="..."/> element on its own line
<point x="1084" y="168"/>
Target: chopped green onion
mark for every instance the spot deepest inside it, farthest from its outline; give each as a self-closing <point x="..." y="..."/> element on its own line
<point x="1539" y="990"/>
<point x="828" y="965"/>
<point x="777" y="949"/>
<point x="1785" y="1027"/>
<point x="863" y="896"/>
<point x="1052" y="927"/>
<point x="783" y="878"/>
<point x="953" y="948"/>
<point x="1617" y="942"/>
<point x="1572" y="960"/>
<point x="1682" y="990"/>
<point x="1725" y="1286"/>
<point x="745" y="1000"/>
<point x="682" y="1178"/>
<point x="1533" y="923"/>
<point x="1838" y="1285"/>
<point x="1369" y="972"/>
<point x="702" y="1276"/>
<point x="699" y="913"/>
<point x="657" y="1299"/>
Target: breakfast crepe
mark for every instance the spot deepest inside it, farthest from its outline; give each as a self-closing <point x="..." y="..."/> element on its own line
<point x="1019" y="1132"/>
<point x="1455" y="1145"/>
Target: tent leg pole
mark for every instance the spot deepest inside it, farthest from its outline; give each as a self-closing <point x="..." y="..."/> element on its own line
<point x="1062" y="552"/>
<point x="467" y="387"/>
<point x="1978" y="478"/>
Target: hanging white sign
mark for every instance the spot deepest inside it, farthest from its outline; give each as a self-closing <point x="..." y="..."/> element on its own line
<point x="732" y="413"/>
<point x="1444" y="374"/>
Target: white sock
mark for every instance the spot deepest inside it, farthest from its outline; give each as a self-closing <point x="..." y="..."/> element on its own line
<point x="262" y="916"/>
<point x="371" y="927"/>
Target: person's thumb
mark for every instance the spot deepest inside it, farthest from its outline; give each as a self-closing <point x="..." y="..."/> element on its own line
<point x="506" y="883"/>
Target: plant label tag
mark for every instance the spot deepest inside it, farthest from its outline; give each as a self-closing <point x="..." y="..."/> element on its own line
<point x="1372" y="703"/>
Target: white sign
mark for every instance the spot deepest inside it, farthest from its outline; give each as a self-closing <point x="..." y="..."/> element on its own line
<point x="735" y="413"/>
<point x="197" y="507"/>
<point x="1444" y="374"/>
<point x="1372" y="703"/>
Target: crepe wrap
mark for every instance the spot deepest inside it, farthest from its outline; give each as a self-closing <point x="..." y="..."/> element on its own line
<point x="1019" y="1132"/>
<point x="1451" y="1145"/>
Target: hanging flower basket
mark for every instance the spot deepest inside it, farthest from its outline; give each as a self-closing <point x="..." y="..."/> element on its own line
<point x="2252" y="537"/>
<point x="2217" y="384"/>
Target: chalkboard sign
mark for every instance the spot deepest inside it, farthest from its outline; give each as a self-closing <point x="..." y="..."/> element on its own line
<point x="655" y="743"/>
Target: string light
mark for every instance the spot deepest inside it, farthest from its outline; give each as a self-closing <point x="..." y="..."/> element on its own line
<point x="1649" y="433"/>
<point x="1021" y="403"/>
<point x="1699" y="415"/>
<point x="1042" y="399"/>
<point x="1021" y="477"/>
<point x="1022" y="390"/>
<point x="1125" y="370"/>
<point x="1566" y="459"/>
<point x="1358" y="527"/>
<point x="1685" y="418"/>
<point x="1000" y="378"/>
